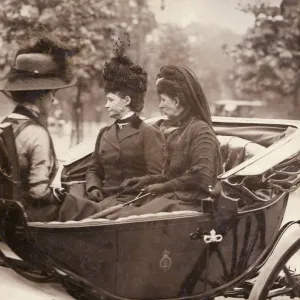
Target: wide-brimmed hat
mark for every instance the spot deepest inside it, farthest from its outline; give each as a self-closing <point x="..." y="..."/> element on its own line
<point x="39" y="71"/>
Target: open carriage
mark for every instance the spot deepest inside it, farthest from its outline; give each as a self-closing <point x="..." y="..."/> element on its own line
<point x="235" y="247"/>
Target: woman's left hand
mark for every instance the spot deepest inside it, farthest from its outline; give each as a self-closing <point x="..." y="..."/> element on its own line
<point x="154" y="188"/>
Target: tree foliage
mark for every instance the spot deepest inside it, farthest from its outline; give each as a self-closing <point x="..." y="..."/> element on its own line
<point x="167" y="44"/>
<point x="209" y="60"/>
<point x="199" y="47"/>
<point x="268" y="58"/>
<point x="87" y="26"/>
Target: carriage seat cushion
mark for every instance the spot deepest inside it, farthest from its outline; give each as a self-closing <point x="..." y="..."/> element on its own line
<point x="236" y="150"/>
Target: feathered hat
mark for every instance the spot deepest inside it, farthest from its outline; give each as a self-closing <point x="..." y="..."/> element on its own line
<point x="43" y="64"/>
<point x="121" y="74"/>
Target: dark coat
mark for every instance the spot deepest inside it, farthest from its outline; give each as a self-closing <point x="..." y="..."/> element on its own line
<point x="193" y="162"/>
<point x="133" y="151"/>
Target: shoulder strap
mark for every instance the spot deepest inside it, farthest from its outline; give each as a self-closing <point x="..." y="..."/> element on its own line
<point x="22" y="126"/>
<point x="19" y="127"/>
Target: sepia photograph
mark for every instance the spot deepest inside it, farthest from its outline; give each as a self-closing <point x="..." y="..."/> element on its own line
<point x="149" y="149"/>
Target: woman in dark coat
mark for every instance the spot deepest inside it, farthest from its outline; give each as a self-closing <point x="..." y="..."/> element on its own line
<point x="39" y="70"/>
<point x="129" y="147"/>
<point x="192" y="152"/>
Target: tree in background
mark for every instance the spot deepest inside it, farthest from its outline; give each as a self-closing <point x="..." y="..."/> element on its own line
<point x="209" y="60"/>
<point x="268" y="58"/>
<point x="199" y="47"/>
<point x="89" y="27"/>
<point x="167" y="44"/>
<point x="137" y="20"/>
<point x="86" y="26"/>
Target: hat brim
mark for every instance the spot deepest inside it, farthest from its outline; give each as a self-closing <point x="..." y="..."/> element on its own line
<point x="31" y="84"/>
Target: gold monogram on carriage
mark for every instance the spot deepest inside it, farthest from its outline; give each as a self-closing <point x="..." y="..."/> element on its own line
<point x="165" y="262"/>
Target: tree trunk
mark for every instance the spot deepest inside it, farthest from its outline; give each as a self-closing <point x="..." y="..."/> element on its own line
<point x="140" y="33"/>
<point x="77" y="117"/>
<point x="295" y="114"/>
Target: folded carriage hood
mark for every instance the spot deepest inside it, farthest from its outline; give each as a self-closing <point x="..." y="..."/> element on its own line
<point x="272" y="156"/>
<point x="77" y="152"/>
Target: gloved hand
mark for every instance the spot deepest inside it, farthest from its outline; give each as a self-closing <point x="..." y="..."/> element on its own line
<point x="135" y="182"/>
<point x="95" y="195"/>
<point x="157" y="188"/>
<point x="58" y="194"/>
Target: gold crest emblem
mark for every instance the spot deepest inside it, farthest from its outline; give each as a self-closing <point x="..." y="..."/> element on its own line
<point x="165" y="262"/>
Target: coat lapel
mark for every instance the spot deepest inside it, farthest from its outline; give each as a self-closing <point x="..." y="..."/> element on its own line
<point x="127" y="132"/>
<point x="131" y="129"/>
<point x="110" y="136"/>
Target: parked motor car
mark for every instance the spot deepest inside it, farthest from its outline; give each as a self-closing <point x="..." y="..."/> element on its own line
<point x="237" y="108"/>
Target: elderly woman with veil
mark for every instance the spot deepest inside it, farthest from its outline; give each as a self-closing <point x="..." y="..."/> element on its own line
<point x="192" y="152"/>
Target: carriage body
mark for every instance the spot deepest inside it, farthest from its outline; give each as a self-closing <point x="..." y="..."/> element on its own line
<point x="179" y="254"/>
<point x="163" y="255"/>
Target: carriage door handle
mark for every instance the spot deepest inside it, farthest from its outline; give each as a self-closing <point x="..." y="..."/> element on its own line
<point x="212" y="237"/>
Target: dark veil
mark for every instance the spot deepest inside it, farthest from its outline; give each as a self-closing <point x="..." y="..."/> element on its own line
<point x="191" y="87"/>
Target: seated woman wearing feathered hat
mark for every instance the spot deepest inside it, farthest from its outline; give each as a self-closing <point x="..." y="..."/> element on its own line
<point x="39" y="70"/>
<point x="129" y="147"/>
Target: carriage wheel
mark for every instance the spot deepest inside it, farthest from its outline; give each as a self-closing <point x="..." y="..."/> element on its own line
<point x="280" y="275"/>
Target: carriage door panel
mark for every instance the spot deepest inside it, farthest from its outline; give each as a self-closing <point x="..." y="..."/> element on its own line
<point x="90" y="252"/>
<point x="245" y="238"/>
<point x="156" y="257"/>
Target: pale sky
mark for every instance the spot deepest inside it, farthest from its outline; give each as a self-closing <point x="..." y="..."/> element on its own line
<point x="220" y="12"/>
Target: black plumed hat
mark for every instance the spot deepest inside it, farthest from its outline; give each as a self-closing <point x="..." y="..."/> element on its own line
<point x="121" y="74"/>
